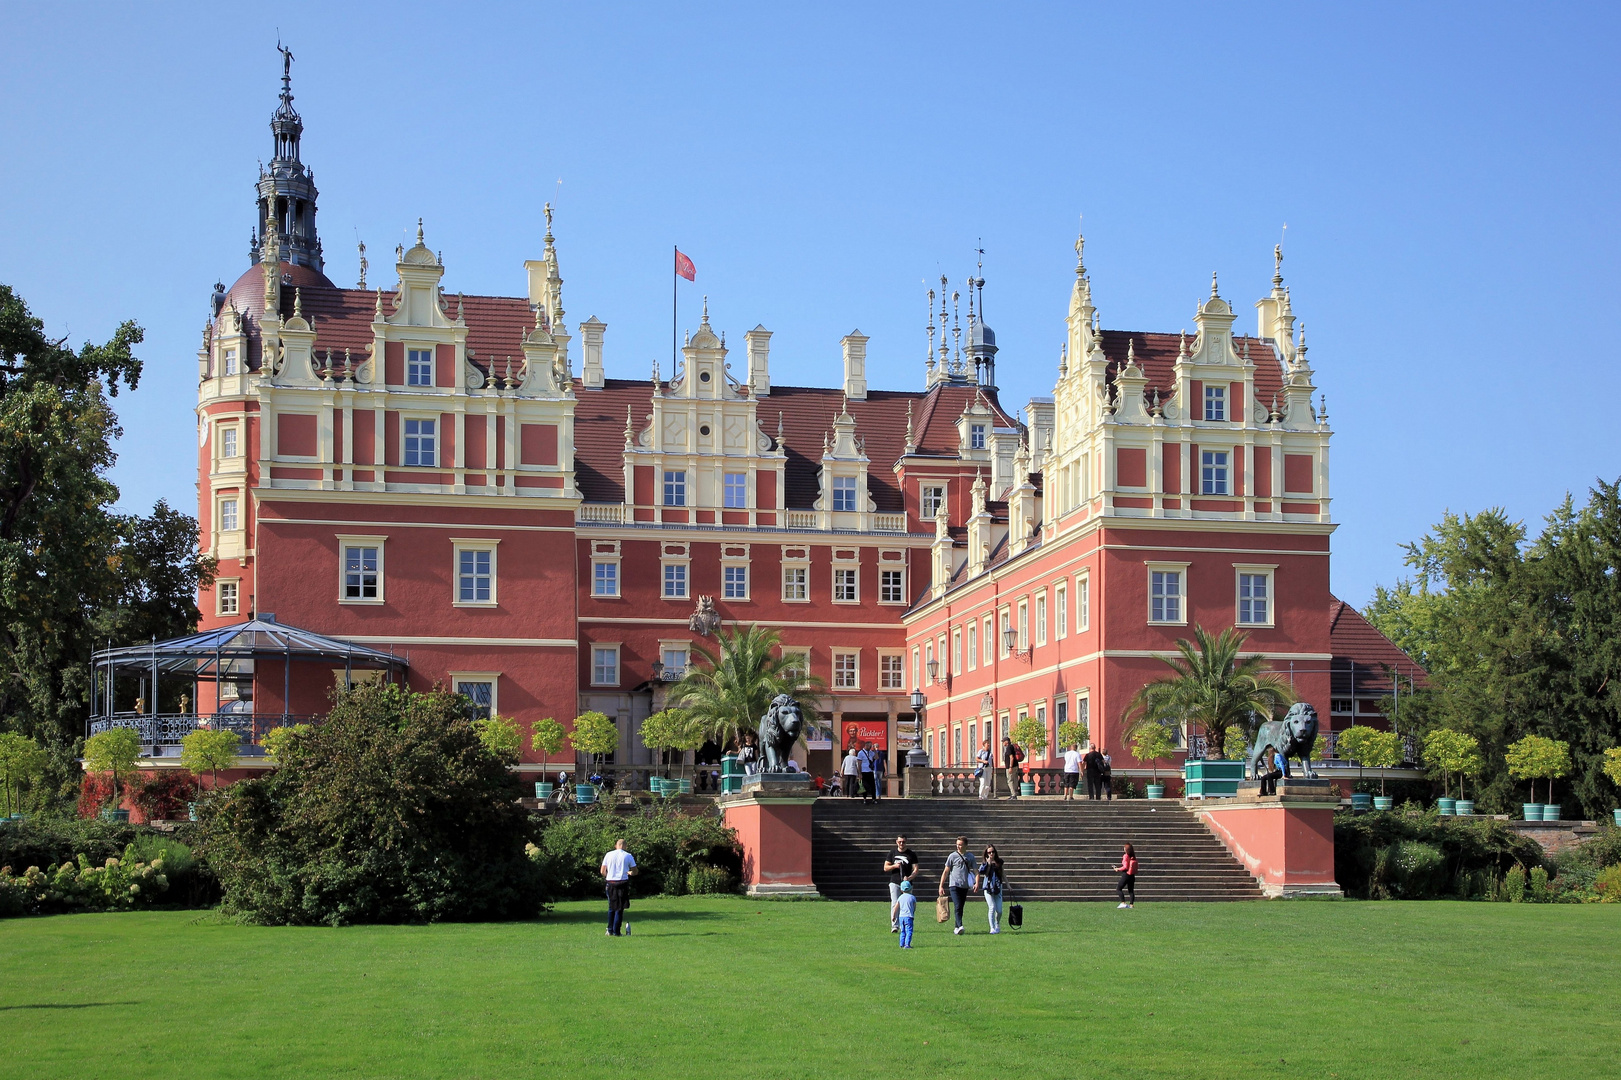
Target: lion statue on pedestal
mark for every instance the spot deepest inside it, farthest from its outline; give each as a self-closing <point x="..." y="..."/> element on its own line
<point x="1292" y="736"/>
<point x="780" y="728"/>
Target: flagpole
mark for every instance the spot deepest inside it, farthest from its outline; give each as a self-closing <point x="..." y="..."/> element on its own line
<point x="674" y="332"/>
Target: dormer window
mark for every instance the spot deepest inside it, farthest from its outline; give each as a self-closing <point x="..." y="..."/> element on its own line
<point x="419" y="367"/>
<point x="1213" y="472"/>
<point x="420" y="436"/>
<point x="932" y="496"/>
<point x="228" y="448"/>
<point x="230" y="361"/>
<point x="844" y="493"/>
<point x="675" y="488"/>
<point x="976" y="436"/>
<point x="1215" y="403"/>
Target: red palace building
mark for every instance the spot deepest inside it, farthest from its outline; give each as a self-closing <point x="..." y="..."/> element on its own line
<point x="454" y="480"/>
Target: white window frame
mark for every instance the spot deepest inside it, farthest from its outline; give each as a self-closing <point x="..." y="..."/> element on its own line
<point x="1261" y="570"/>
<point x="609" y="647"/>
<point x="1215" y="472"/>
<point x="971" y="645"/>
<point x="1181" y="570"/>
<point x="1024" y="625"/>
<point x="1215" y="402"/>
<point x="803" y="653"/>
<point x="956" y="651"/>
<point x="1005" y="623"/>
<point x="927" y="493"/>
<point x="606" y="552"/>
<point x="464" y="544"/>
<point x="680" y="651"/>
<point x="229" y="363"/>
<point x="234" y="502"/>
<point x="411" y="365"/>
<point x="891" y="670"/>
<point x="988" y="646"/>
<point x="674" y="490"/>
<point x="405" y="442"/>
<point x="1083" y="602"/>
<point x="673" y="555"/>
<point x="917" y="671"/>
<point x="740" y="489"/>
<point x="976" y="436"/>
<point x="1061" y="608"/>
<point x="892" y="594"/>
<point x="854" y="581"/>
<point x="597" y="578"/>
<point x="853" y="658"/>
<point x="491" y="677"/>
<point x="844" y="492"/>
<point x="350" y="540"/>
<point x="220" y="587"/>
<point x="230" y="441"/>
<point x="796" y="583"/>
<point x="727" y="570"/>
<point x="1041" y="617"/>
<point x="1083" y="713"/>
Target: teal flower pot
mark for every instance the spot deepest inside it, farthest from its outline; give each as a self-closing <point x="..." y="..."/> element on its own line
<point x="1550" y="811"/>
<point x="191" y="811"/>
<point x="1617" y="814"/>
<point x="1383" y="802"/>
<point x="1026" y="788"/>
<point x="585" y="794"/>
<point x="1446" y="807"/>
<point x="1361" y="800"/>
<point x="684" y="787"/>
<point x="544" y="789"/>
<point x="1157" y="791"/>
<point x="1533" y="811"/>
<point x="1465" y="808"/>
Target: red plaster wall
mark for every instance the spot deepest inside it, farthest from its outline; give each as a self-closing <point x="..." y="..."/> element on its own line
<point x="776" y="841"/>
<point x="478" y="432"/>
<point x="1297" y="470"/>
<point x="1131" y="467"/>
<point x="444" y="365"/>
<point x="1279" y="845"/>
<point x="537" y="444"/>
<point x="295" y="435"/>
<point x="365" y="437"/>
<point x="394" y="363"/>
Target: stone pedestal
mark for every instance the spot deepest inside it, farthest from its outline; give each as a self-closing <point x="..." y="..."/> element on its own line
<point x="1285" y="840"/>
<point x="772" y="818"/>
<point x="919" y="784"/>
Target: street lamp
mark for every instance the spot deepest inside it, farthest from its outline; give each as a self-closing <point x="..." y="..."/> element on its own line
<point x="658" y="669"/>
<point x="933" y="667"/>
<point x="1010" y="640"/>
<point x="917" y="700"/>
<point x="917" y="757"/>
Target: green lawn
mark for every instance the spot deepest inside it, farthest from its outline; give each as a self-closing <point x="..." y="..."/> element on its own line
<point x="733" y="987"/>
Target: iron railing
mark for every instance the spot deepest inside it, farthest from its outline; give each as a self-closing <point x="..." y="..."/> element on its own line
<point x="169" y="729"/>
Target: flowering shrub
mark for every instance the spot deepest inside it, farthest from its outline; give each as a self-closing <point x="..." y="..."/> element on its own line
<point x="95" y="793"/>
<point x="162" y="795"/>
<point x="116" y="885"/>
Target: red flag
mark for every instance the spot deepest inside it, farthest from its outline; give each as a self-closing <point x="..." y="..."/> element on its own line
<point x="684" y="267"/>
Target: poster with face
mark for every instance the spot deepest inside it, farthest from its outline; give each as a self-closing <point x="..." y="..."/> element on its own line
<point x="859" y="733"/>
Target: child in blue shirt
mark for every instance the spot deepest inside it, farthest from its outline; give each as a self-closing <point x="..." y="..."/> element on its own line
<point x="908" y="911"/>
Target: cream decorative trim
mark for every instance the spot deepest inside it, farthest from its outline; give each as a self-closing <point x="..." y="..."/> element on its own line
<point x="537" y="643"/>
<point x="558" y="502"/>
<point x="419" y="524"/>
<point x="584" y="619"/>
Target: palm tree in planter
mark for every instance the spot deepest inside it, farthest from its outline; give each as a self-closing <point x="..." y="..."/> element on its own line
<point x="546" y="737"/>
<point x="1214" y="685"/>
<point x="727" y="691"/>
<point x="1152" y="741"/>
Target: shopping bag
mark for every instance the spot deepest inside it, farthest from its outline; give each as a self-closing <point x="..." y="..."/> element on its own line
<point x="1015" y="915"/>
<point x="942" y="909"/>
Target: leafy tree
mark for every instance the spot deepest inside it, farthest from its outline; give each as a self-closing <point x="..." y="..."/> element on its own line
<point x="546" y="736"/>
<point x="1031" y="734"/>
<point x="500" y="737"/>
<point x="1534" y="758"/>
<point x="594" y="735"/>
<point x="1073" y="733"/>
<point x="1152" y="741"/>
<point x="1371" y="748"/>
<point x="113" y="751"/>
<point x="280" y="743"/>
<point x="22" y="760"/>
<point x="157" y="570"/>
<point x="1612" y="765"/>
<point x="210" y="750"/>
<point x="391" y="810"/>
<point x="730" y="689"/>
<point x="1212" y="685"/>
<point x="1452" y="752"/>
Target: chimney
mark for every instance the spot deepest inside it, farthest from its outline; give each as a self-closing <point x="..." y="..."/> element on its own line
<point x="855" y="365"/>
<point x="591" y="332"/>
<point x="759" y="348"/>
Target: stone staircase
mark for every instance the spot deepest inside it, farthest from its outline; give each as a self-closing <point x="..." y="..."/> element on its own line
<point x="1054" y="850"/>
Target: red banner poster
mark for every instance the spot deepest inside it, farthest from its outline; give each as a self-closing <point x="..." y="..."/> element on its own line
<point x="858" y="733"/>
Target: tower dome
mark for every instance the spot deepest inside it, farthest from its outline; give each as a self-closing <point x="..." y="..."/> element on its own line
<point x="286" y="189"/>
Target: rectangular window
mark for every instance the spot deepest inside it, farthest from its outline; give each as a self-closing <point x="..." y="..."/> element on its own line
<point x="844" y="493"/>
<point x="1024" y="626"/>
<point x="976" y="436"/>
<point x="794" y="584"/>
<point x="1002" y="644"/>
<point x="675" y="665"/>
<point x="973" y="740"/>
<point x="1061" y="602"/>
<point x="419" y="367"/>
<point x="228" y="447"/>
<point x="932" y="496"/>
<point x="360" y="576"/>
<point x="228" y="515"/>
<point x="735" y="582"/>
<point x="1083" y="714"/>
<point x="473" y="576"/>
<point x="675" y="581"/>
<point x="675" y="488"/>
<point x="916" y="671"/>
<point x="1041" y="619"/>
<point x="891" y="588"/>
<point x="1254" y="598"/>
<point x="956" y="745"/>
<point x="230" y="361"/>
<point x="973" y="645"/>
<point x="1215" y="402"/>
<point x="844" y="586"/>
<point x="227" y="595"/>
<point x="891" y="672"/>
<point x="1166" y="596"/>
<point x="845" y="673"/>
<point x="956" y="652"/>
<point x="1213" y="471"/>
<point x="419" y="443"/>
<point x="605" y="579"/>
<point x="737" y="491"/>
<point x="1083" y="603"/>
<point x="1060" y="715"/>
<point x="481" y="694"/>
<point x="796" y="666"/>
<point x="604" y="667"/>
<point x="987" y="644"/>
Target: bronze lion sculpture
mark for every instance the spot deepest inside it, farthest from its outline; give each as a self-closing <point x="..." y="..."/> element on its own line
<point x="1292" y="736"/>
<point x="780" y="728"/>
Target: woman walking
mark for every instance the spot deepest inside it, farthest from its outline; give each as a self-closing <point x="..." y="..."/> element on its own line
<point x="988" y="880"/>
<point x="958" y="876"/>
<point x="1128" y="878"/>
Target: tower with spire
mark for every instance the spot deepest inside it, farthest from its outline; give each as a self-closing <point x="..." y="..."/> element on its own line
<point x="286" y="188"/>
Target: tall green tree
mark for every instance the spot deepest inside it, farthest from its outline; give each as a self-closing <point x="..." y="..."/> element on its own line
<point x="1211" y="684"/>
<point x="728" y="690"/>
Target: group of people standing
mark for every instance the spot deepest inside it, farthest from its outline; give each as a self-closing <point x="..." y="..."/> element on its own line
<point x="985" y="767"/>
<point x="1097" y="768"/>
<point x="862" y="773"/>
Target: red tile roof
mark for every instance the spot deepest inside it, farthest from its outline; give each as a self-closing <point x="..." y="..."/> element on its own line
<point x="1363" y="657"/>
<point x="1156" y="355"/>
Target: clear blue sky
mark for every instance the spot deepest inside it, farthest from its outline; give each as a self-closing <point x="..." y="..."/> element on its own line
<point x="1448" y="176"/>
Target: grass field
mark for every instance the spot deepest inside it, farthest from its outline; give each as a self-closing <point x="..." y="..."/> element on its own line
<point x="731" y="987"/>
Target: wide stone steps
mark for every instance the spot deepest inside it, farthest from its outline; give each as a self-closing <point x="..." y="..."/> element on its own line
<point x="1054" y="850"/>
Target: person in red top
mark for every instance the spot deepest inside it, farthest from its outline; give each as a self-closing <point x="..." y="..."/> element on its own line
<point x="1128" y="878"/>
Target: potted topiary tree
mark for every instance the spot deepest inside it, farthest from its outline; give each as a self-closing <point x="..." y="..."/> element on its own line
<point x="1152" y="741"/>
<point x="1533" y="758"/>
<point x="689" y="736"/>
<point x="1373" y="749"/>
<point x="210" y="750"/>
<point x="595" y="736"/>
<point x="1449" y="751"/>
<point x="1073" y="733"/>
<point x="659" y="736"/>
<point x="546" y="736"/>
<point x="1030" y="735"/>
<point x="500" y="737"/>
<point x="1612" y="769"/>
<point x="1468" y="763"/>
<point x="114" y="751"/>
<point x="21" y="760"/>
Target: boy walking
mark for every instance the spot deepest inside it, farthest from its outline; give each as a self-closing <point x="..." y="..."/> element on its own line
<point x="908" y="910"/>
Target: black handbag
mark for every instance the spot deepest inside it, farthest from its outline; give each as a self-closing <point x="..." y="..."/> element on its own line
<point x="1015" y="915"/>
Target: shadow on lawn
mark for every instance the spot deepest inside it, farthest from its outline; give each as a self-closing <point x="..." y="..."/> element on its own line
<point x="81" y="1005"/>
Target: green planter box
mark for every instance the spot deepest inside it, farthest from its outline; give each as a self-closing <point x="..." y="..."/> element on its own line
<point x="1212" y="779"/>
<point x="585" y="794"/>
<point x="1551" y="811"/>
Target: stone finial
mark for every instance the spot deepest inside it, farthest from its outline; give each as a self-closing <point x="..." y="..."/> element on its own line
<point x="1213" y="291"/>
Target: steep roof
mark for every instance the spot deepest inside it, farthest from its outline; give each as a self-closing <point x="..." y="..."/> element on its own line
<point x="1156" y="356"/>
<point x="1363" y="657"/>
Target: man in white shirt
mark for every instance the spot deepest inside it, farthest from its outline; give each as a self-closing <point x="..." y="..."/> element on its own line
<point x="1072" y="772"/>
<point x="617" y="867"/>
